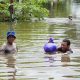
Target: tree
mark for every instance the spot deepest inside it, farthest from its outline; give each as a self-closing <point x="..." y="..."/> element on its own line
<point x="26" y="9"/>
<point x="30" y="9"/>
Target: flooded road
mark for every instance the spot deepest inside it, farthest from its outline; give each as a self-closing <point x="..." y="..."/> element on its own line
<point x="31" y="63"/>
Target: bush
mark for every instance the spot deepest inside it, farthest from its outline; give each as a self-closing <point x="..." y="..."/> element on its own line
<point x="26" y="10"/>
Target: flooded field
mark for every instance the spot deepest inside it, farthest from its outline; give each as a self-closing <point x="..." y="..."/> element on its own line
<point x="30" y="63"/>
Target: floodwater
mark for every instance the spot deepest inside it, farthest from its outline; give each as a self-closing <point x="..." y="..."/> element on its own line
<point x="30" y="63"/>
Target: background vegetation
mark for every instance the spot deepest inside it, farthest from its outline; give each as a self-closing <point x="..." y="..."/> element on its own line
<point x="24" y="10"/>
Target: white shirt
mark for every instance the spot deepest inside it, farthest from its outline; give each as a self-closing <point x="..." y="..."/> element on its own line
<point x="11" y="48"/>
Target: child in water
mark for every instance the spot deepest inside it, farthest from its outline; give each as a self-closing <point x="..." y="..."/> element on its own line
<point x="10" y="45"/>
<point x="65" y="47"/>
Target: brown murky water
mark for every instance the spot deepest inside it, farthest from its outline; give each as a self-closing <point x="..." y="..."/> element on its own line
<point x="31" y="63"/>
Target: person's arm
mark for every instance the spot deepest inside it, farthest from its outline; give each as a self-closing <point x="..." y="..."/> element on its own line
<point x="70" y="51"/>
<point x="15" y="49"/>
<point x="2" y="48"/>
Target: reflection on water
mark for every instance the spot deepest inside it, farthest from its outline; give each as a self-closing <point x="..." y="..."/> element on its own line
<point x="31" y="62"/>
<point x="8" y="70"/>
<point x="60" y="8"/>
<point x="65" y="58"/>
<point x="76" y="9"/>
<point x="11" y="65"/>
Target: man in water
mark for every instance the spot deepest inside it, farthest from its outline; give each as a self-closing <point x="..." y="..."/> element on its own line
<point x="65" y="47"/>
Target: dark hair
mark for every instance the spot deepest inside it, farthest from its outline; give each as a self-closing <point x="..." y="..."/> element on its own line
<point x="67" y="41"/>
<point x="11" y="36"/>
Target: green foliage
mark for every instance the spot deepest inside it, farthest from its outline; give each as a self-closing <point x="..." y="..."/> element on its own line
<point x="4" y="13"/>
<point x="27" y="9"/>
<point x="30" y="9"/>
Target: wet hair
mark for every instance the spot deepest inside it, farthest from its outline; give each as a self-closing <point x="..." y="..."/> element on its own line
<point x="67" y="41"/>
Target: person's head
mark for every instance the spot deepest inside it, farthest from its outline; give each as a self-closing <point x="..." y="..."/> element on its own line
<point x="70" y="17"/>
<point x="11" y="37"/>
<point x="65" y="44"/>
